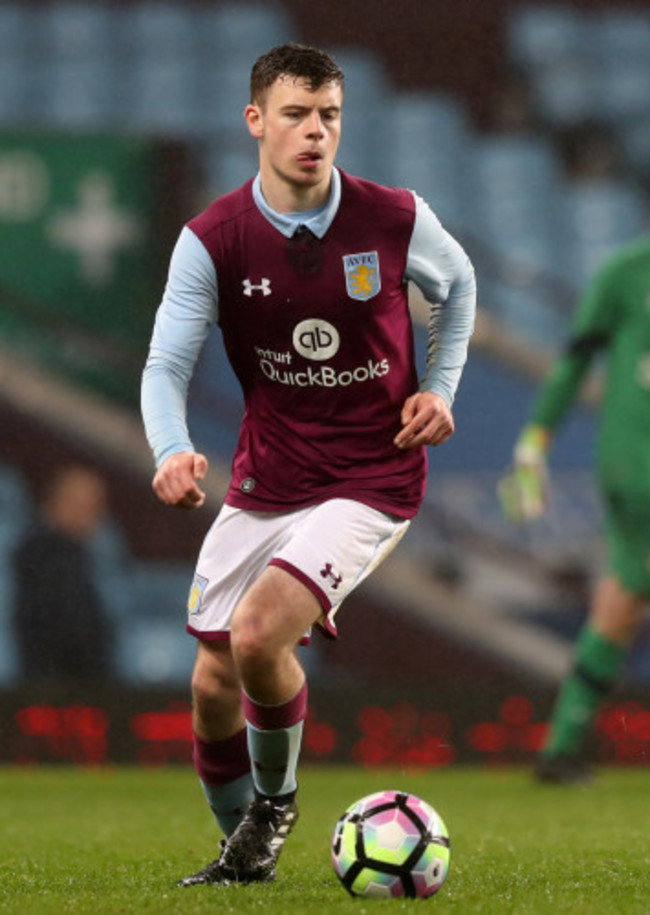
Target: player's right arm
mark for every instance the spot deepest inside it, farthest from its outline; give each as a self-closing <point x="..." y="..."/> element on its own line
<point x="176" y="480"/>
<point x="187" y="310"/>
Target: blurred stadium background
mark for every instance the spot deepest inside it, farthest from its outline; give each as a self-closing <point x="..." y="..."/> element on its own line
<point x="527" y="128"/>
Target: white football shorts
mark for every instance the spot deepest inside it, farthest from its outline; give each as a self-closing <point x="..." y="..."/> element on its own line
<point x="330" y="548"/>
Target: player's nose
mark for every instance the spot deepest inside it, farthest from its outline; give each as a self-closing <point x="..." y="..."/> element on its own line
<point x="314" y="124"/>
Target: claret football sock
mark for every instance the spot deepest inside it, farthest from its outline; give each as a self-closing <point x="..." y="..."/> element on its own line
<point x="223" y="768"/>
<point x="228" y="802"/>
<point x="597" y="662"/>
<point x="274" y="740"/>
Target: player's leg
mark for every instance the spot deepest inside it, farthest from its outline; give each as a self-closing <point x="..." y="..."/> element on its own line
<point x="235" y="553"/>
<point x="267" y="626"/>
<point x="220" y="750"/>
<point x="231" y="557"/>
<point x="613" y="622"/>
<point x="330" y="549"/>
<point x="615" y="614"/>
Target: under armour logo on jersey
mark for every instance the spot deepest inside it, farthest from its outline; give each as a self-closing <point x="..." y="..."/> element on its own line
<point x="264" y="287"/>
<point x="328" y="572"/>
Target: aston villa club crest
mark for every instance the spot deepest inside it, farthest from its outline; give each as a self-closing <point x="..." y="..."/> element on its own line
<point x="195" y="599"/>
<point x="362" y="276"/>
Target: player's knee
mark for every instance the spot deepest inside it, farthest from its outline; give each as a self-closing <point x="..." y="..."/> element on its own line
<point x="205" y="687"/>
<point x="618" y="610"/>
<point x="213" y="678"/>
<point x="627" y="625"/>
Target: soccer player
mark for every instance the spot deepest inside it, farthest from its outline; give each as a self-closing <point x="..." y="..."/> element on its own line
<point x="305" y="270"/>
<point x="613" y="318"/>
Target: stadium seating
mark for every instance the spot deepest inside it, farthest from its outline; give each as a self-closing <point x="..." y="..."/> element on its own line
<point x="514" y="166"/>
<point x="607" y="210"/>
<point x="515" y="186"/>
<point x="621" y="34"/>
<point x="567" y="93"/>
<point x="14" y="89"/>
<point x="159" y="590"/>
<point x="546" y="35"/>
<point x="226" y="166"/>
<point x="224" y="94"/>
<point x="151" y="30"/>
<point x="16" y="30"/>
<point x="146" y="601"/>
<point x="427" y="150"/>
<point x="155" y="653"/>
<point x="161" y="97"/>
<point x="634" y="138"/>
<point x="590" y="66"/>
<point x="152" y="647"/>
<point x="114" y="572"/>
<point x="73" y="93"/>
<point x="16" y="41"/>
<point x="599" y="217"/>
<point x="583" y="65"/>
<point x="233" y="30"/>
<point x="623" y="88"/>
<point x="80" y="32"/>
<point x="528" y="308"/>
<point x="364" y="142"/>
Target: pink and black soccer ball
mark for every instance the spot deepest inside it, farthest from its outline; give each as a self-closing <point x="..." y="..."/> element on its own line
<point x="391" y="844"/>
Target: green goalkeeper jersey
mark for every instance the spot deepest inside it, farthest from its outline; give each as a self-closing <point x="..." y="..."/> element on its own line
<point x="613" y="317"/>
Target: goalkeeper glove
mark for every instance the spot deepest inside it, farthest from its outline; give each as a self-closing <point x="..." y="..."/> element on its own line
<point x="523" y="492"/>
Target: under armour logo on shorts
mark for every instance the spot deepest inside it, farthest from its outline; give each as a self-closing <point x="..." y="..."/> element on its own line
<point x="328" y="572"/>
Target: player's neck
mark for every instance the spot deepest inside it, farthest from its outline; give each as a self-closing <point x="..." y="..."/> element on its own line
<point x="286" y="197"/>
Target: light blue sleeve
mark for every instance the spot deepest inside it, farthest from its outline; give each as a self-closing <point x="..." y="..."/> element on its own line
<point x="183" y="319"/>
<point x="440" y="268"/>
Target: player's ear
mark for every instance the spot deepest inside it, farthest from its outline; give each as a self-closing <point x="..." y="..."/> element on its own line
<point x="254" y="120"/>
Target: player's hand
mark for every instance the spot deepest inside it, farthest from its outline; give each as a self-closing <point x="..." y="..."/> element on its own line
<point x="176" y="480"/>
<point x="523" y="492"/>
<point x="426" y="420"/>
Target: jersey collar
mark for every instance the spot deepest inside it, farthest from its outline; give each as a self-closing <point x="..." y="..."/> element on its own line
<point x="317" y="221"/>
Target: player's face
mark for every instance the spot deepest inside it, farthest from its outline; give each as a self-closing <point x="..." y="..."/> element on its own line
<point x="299" y="132"/>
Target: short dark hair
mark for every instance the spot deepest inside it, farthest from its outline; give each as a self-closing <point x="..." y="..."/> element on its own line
<point x="297" y="60"/>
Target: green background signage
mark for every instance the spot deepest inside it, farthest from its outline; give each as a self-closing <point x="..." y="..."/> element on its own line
<point x="87" y="223"/>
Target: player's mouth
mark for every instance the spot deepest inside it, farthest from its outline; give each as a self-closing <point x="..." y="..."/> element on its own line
<point x="309" y="159"/>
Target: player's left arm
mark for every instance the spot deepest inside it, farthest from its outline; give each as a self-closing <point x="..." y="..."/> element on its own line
<point x="441" y="269"/>
<point x="426" y="420"/>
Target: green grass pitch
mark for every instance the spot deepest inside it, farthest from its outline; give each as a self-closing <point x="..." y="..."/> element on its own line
<point x="115" y="840"/>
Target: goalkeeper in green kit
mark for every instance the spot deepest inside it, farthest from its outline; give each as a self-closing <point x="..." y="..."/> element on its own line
<point x="613" y="319"/>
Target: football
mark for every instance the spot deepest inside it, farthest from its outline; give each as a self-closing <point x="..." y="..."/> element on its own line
<point x="391" y="844"/>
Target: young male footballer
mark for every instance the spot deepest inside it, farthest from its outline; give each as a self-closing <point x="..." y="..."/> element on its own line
<point x="305" y="270"/>
<point x="613" y="318"/>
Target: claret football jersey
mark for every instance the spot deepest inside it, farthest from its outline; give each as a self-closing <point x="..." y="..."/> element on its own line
<point x="319" y="334"/>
